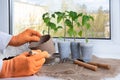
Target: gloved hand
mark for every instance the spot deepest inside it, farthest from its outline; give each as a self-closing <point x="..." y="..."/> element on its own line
<point x="28" y="35"/>
<point x="23" y="65"/>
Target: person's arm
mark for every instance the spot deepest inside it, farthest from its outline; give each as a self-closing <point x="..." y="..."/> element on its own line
<point x="1" y="63"/>
<point x="9" y="68"/>
<point x="28" y="35"/>
<point x="4" y="40"/>
<point x="23" y="64"/>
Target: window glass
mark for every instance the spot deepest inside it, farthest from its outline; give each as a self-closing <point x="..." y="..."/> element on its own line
<point x="28" y="14"/>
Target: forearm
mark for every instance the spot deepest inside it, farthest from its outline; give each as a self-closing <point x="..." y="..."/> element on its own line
<point x="1" y="63"/>
<point x="4" y="40"/>
<point x="14" y="41"/>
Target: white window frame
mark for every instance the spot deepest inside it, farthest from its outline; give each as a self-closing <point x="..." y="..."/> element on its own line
<point x="14" y="32"/>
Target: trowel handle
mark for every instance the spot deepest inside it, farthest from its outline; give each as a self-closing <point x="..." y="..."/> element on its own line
<point x="106" y="66"/>
<point x="89" y="66"/>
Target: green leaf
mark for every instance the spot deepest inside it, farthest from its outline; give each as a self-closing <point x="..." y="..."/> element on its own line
<point x="59" y="27"/>
<point x="47" y="20"/>
<point x="58" y="13"/>
<point x="91" y="18"/>
<point x="68" y="23"/>
<point x="85" y="18"/>
<point x="74" y="32"/>
<point x="53" y="15"/>
<point x="45" y="15"/>
<point x="88" y="25"/>
<point x="80" y="33"/>
<point x="52" y="25"/>
<point x="78" y="24"/>
<point x="73" y="15"/>
<point x="70" y="31"/>
<point x="55" y="30"/>
<point x="80" y="14"/>
<point x="59" y="18"/>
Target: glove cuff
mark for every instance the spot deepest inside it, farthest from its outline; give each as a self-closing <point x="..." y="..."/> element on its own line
<point x="6" y="69"/>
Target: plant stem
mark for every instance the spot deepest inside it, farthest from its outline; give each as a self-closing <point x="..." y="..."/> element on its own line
<point x="64" y="29"/>
<point x="73" y="32"/>
<point x="48" y="31"/>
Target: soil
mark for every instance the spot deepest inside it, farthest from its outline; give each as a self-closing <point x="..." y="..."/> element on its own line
<point x="70" y="71"/>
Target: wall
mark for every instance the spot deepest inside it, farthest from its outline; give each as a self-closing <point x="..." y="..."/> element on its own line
<point x="102" y="48"/>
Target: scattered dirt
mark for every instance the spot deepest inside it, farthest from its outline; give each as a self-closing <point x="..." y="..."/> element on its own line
<point x="70" y="71"/>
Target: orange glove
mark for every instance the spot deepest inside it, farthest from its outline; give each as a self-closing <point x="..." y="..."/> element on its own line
<point x="24" y="37"/>
<point x="23" y="65"/>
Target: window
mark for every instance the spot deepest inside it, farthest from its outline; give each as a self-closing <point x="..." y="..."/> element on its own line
<point x="28" y="14"/>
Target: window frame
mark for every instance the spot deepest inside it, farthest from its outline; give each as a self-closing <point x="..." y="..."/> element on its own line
<point x="11" y="22"/>
<point x="10" y="6"/>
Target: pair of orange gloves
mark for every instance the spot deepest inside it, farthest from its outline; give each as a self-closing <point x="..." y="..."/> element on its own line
<point x="24" y="64"/>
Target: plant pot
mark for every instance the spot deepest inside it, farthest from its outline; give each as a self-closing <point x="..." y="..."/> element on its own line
<point x="86" y="52"/>
<point x="64" y="50"/>
<point x="45" y="44"/>
<point x="75" y="50"/>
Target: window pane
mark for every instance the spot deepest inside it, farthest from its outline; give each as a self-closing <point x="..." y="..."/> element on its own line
<point x="28" y="14"/>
